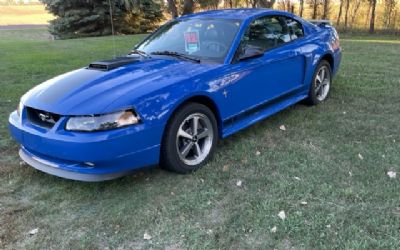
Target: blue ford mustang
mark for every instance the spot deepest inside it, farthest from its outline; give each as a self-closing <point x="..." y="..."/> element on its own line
<point x="195" y="80"/>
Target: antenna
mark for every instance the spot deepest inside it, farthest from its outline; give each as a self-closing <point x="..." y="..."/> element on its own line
<point x="112" y="28"/>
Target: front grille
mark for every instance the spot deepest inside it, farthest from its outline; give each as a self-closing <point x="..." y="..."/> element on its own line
<point x="41" y="118"/>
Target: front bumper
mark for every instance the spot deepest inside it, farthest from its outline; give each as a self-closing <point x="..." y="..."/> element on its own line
<point x="84" y="156"/>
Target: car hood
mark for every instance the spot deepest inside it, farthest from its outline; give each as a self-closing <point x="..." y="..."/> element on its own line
<point x="90" y="91"/>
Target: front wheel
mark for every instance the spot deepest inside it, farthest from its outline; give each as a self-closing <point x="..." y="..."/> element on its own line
<point x="190" y="138"/>
<point x="321" y="83"/>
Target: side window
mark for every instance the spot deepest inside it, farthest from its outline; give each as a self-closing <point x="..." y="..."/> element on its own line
<point x="271" y="31"/>
<point x="266" y="33"/>
<point x="295" y="28"/>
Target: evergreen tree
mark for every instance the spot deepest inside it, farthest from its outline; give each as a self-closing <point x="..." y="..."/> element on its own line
<point x="144" y="18"/>
<point x="76" y="18"/>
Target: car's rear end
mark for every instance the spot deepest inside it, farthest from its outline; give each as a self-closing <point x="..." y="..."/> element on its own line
<point x="331" y="38"/>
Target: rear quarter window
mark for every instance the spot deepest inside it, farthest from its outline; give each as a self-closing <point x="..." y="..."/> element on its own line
<point x="295" y="28"/>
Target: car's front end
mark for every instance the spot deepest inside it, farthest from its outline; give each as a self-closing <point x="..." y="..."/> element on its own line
<point x="87" y="148"/>
<point x="97" y="124"/>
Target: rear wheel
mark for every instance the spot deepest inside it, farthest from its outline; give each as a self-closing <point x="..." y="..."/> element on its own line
<point x="321" y="83"/>
<point x="190" y="138"/>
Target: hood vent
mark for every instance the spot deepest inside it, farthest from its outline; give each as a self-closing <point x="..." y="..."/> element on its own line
<point x="107" y="65"/>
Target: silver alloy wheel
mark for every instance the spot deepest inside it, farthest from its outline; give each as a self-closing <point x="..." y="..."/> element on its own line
<point x="194" y="139"/>
<point x="322" y="83"/>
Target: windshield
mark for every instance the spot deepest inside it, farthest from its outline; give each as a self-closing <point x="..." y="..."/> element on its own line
<point x="204" y="39"/>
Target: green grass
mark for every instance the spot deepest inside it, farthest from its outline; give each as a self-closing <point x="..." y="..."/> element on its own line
<point x="352" y="203"/>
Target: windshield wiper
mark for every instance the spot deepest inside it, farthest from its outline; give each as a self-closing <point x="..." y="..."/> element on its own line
<point x="140" y="53"/>
<point x="176" y="54"/>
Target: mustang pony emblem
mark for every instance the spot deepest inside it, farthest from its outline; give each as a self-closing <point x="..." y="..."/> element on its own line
<point x="46" y="117"/>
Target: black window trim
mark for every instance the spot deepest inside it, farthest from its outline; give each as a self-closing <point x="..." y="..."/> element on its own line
<point x="234" y="59"/>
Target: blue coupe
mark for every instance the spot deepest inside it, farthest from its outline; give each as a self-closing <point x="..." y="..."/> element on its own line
<point x="195" y="80"/>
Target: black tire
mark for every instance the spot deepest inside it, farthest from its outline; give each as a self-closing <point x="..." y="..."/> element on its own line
<point x="171" y="157"/>
<point x="313" y="98"/>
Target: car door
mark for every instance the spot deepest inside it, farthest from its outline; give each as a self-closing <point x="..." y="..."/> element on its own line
<point x="277" y="73"/>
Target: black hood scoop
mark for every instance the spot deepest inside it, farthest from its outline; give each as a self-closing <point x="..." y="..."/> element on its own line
<point x="107" y="65"/>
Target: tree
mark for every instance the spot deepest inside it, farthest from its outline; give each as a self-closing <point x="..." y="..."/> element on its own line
<point x="211" y="4"/>
<point x="356" y="8"/>
<point x="188" y="7"/>
<point x="389" y="13"/>
<point x="285" y="5"/>
<point x="372" y="20"/>
<point x="265" y="3"/>
<point x="143" y="18"/>
<point x="75" y="18"/>
<point x="172" y="8"/>
<point x="314" y="6"/>
<point x="262" y="3"/>
<point x="346" y="14"/>
<point x="301" y="8"/>
<point x="325" y="14"/>
<point x="340" y="13"/>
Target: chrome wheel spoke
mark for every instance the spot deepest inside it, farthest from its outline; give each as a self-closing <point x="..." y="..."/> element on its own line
<point x="317" y="88"/>
<point x="322" y="77"/>
<point x="184" y="134"/>
<point x="186" y="149"/>
<point x="318" y="78"/>
<point x="195" y="125"/>
<point x="203" y="134"/>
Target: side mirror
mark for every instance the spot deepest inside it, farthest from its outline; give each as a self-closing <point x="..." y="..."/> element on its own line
<point x="250" y="52"/>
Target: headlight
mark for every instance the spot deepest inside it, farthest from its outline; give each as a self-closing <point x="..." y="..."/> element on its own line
<point x="102" y="122"/>
<point x="20" y="108"/>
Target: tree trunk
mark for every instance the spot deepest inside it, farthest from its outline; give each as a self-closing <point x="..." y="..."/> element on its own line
<point x="340" y="13"/>
<point x="172" y="8"/>
<point x="188" y="6"/>
<point x="372" y="20"/>
<point x="390" y="8"/>
<point x="368" y="16"/>
<point x="346" y="14"/>
<point x="355" y="12"/>
<point x="301" y="8"/>
<point x="315" y="8"/>
<point x="326" y="10"/>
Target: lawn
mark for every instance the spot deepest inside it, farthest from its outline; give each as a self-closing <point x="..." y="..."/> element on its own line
<point x="327" y="171"/>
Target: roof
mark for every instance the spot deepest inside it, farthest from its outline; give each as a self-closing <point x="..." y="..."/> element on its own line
<point x="242" y="13"/>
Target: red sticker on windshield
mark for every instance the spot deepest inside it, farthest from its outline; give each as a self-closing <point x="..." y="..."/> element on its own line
<point x="191" y="37"/>
<point x="192" y="43"/>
